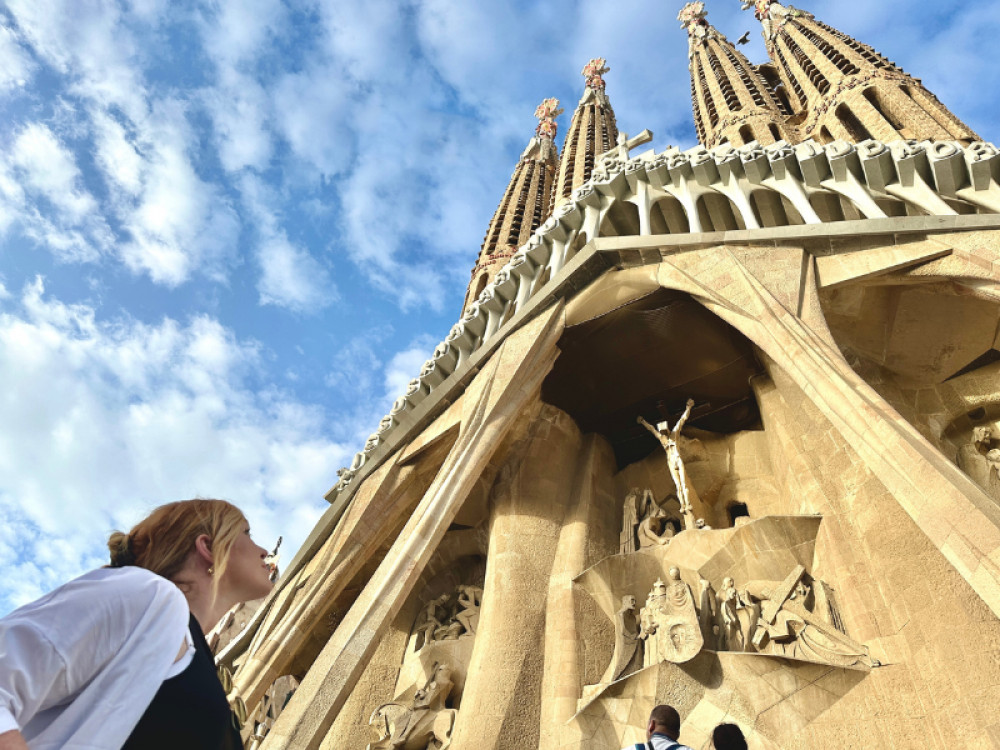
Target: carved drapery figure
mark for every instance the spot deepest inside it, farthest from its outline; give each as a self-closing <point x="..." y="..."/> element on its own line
<point x="668" y="438"/>
<point x="669" y="623"/>
<point x="729" y="621"/>
<point x="635" y="509"/>
<point x="654" y="529"/>
<point x="707" y="610"/>
<point x="628" y="647"/>
<point x="426" y="724"/>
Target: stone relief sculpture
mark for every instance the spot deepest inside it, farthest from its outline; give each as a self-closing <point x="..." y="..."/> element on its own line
<point x="645" y="523"/>
<point x="449" y="616"/>
<point x="271" y="706"/>
<point x="787" y="626"/>
<point x="470" y="598"/>
<point x="731" y="637"/>
<point x="655" y="530"/>
<point x="635" y="510"/>
<point x="628" y="646"/>
<point x="668" y="438"/>
<point x="707" y="609"/>
<point x="431" y="623"/>
<point x="669" y="623"/>
<point x="981" y="460"/>
<point x="425" y="724"/>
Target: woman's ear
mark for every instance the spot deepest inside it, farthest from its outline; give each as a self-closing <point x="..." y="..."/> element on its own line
<point x="203" y="548"/>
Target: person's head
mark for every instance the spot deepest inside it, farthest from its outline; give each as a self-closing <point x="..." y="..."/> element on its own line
<point x="664" y="720"/>
<point x="184" y="540"/>
<point x="728" y="737"/>
<point x="628" y="602"/>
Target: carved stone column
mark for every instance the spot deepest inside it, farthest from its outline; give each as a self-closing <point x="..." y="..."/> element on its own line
<point x="501" y="706"/>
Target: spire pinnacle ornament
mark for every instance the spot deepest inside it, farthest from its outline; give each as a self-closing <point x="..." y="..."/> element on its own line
<point x="691" y="15"/>
<point x="593" y="72"/>
<point x="547" y="112"/>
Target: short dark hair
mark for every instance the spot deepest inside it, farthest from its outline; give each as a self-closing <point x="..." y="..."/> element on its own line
<point x="728" y="737"/>
<point x="668" y="718"/>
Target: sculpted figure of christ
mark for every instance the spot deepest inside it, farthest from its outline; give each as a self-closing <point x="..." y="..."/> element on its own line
<point x="668" y="440"/>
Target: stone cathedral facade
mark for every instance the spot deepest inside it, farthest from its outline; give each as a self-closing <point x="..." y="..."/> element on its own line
<point x="718" y="428"/>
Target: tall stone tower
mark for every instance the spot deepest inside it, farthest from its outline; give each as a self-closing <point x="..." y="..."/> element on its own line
<point x="723" y="432"/>
<point x="592" y="131"/>
<point x="841" y="89"/>
<point x="732" y="101"/>
<point x="525" y="203"/>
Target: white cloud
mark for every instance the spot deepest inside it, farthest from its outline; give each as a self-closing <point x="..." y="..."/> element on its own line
<point x="180" y="223"/>
<point x="117" y="155"/>
<point x="49" y="169"/>
<point x="116" y="417"/>
<point x="16" y="66"/>
<point x="290" y="276"/>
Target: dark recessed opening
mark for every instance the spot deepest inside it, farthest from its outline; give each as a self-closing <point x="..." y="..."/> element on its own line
<point x="737" y="510"/>
<point x="647" y="358"/>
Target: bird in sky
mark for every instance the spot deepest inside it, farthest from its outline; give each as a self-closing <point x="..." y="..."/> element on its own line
<point x="745" y="39"/>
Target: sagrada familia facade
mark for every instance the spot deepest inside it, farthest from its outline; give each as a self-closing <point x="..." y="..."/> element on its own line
<point x="718" y="428"/>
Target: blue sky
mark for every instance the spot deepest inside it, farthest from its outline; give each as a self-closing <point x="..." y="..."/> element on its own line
<point x="230" y="232"/>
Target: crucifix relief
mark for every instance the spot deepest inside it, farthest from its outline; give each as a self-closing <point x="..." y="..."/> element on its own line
<point x="668" y="438"/>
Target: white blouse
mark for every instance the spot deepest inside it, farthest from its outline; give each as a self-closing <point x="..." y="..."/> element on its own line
<point x="79" y="666"/>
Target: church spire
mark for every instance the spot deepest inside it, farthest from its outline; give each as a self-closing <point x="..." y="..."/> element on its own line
<point x="842" y="89"/>
<point x="525" y="204"/>
<point x="732" y="101"/>
<point x="592" y="131"/>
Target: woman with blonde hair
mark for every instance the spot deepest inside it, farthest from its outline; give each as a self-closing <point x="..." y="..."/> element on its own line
<point x="117" y="658"/>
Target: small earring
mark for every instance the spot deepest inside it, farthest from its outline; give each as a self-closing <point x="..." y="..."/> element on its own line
<point x="211" y="570"/>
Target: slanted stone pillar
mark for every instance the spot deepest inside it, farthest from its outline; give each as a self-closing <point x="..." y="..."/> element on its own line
<point x="589" y="534"/>
<point x="501" y="706"/>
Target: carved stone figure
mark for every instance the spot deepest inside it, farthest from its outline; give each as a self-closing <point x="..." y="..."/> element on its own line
<point x="668" y="439"/>
<point x="635" y="509"/>
<point x="706" y="610"/>
<point x="787" y="627"/>
<point x="647" y="629"/>
<point x="729" y="622"/>
<point x="670" y="626"/>
<point x="654" y="529"/>
<point x="426" y="724"/>
<point x="433" y="614"/>
<point x="627" y="657"/>
<point x="470" y="598"/>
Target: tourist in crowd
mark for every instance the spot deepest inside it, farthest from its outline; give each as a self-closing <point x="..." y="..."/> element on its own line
<point x="662" y="731"/>
<point x="728" y="737"/>
<point x="117" y="658"/>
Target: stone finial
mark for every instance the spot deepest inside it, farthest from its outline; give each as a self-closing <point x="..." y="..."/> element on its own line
<point x="692" y="15"/>
<point x="593" y="72"/>
<point x="761" y="8"/>
<point x="547" y="112"/>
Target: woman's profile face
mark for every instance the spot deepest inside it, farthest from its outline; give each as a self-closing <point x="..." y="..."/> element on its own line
<point x="247" y="577"/>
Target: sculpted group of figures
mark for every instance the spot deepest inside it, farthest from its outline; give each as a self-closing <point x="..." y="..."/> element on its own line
<point x="450" y="616"/>
<point x="424" y="724"/>
<point x="795" y="618"/>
